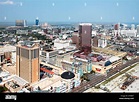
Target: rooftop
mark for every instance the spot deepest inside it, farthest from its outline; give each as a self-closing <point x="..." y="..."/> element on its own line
<point x="7" y="48"/>
<point x="67" y="75"/>
<point x="19" y="80"/>
<point x="27" y="44"/>
<point x="88" y="24"/>
<point x="61" y="41"/>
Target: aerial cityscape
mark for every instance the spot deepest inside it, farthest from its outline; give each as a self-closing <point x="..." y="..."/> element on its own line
<point x="69" y="46"/>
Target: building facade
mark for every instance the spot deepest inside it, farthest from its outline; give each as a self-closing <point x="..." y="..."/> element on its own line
<point x="75" y="39"/>
<point x="95" y="41"/>
<point x="37" y="21"/>
<point x="27" y="62"/>
<point x="117" y="29"/>
<point x="21" y="23"/>
<point x="137" y="29"/>
<point x="85" y="35"/>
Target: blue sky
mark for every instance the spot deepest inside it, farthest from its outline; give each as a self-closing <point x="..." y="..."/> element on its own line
<point x="70" y="10"/>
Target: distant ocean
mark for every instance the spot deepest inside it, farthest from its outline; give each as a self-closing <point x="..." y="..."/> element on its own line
<point x="4" y="24"/>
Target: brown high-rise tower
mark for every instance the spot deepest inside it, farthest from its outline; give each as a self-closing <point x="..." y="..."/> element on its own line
<point x="27" y="61"/>
<point x="85" y="35"/>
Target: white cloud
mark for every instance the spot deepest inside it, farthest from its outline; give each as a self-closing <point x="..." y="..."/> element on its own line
<point x="53" y="4"/>
<point x="117" y="4"/>
<point x="5" y="18"/>
<point x="85" y="4"/>
<point x="133" y="18"/>
<point x="8" y="2"/>
<point x="21" y="4"/>
<point x="69" y="18"/>
<point x="101" y="18"/>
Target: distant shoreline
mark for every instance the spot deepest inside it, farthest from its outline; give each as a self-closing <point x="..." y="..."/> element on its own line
<point x="3" y="24"/>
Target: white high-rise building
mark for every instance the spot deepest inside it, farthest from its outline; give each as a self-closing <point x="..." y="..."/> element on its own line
<point x="132" y="26"/>
<point x="137" y="29"/>
<point x="25" y="23"/>
<point x="102" y="43"/>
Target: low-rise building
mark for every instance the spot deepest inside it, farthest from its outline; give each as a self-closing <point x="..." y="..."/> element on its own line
<point x="16" y="83"/>
<point x="21" y="31"/>
<point x="60" y="44"/>
<point x="48" y="55"/>
<point x="7" y="54"/>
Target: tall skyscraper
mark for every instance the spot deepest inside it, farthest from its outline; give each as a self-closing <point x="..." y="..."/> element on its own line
<point x="25" y="23"/>
<point x="22" y="23"/>
<point x="85" y="34"/>
<point x="37" y="21"/>
<point x="117" y="26"/>
<point x="137" y="29"/>
<point x="132" y="27"/>
<point x="27" y="61"/>
<point x="117" y="29"/>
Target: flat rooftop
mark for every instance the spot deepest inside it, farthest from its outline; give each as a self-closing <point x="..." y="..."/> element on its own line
<point x="27" y="45"/>
<point x="46" y="82"/>
<point x="10" y="68"/>
<point x="7" y="48"/>
<point x="20" y="81"/>
<point x="109" y="51"/>
<point x="88" y="24"/>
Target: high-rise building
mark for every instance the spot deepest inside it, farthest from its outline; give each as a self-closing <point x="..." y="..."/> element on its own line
<point x="75" y="39"/>
<point x="117" y="26"/>
<point x="95" y="41"/>
<point x="27" y="61"/>
<point x="102" y="42"/>
<point x="117" y="29"/>
<point x="37" y="21"/>
<point x="132" y="27"/>
<point x="85" y="35"/>
<point x="137" y="29"/>
<point x="22" y="23"/>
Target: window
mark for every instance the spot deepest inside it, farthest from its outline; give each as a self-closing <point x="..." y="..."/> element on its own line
<point x="25" y="53"/>
<point x="18" y="50"/>
<point x="43" y="53"/>
<point x="32" y="54"/>
<point x="36" y="53"/>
